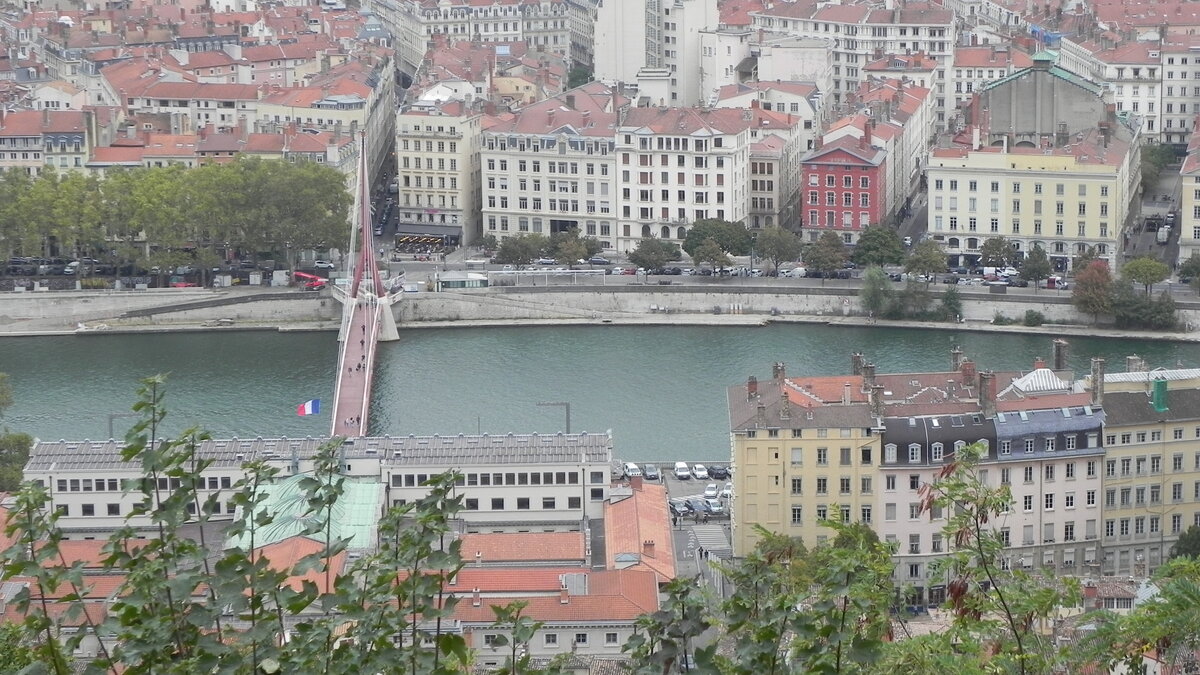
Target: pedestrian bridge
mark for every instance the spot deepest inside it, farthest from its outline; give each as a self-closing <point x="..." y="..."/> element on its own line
<point x="366" y="317"/>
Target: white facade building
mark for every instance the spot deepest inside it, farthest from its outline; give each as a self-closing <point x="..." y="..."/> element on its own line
<point x="437" y="157"/>
<point x="553" y="480"/>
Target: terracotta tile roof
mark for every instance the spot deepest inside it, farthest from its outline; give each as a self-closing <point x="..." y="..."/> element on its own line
<point x="990" y="56"/>
<point x="511" y="579"/>
<point x="284" y="555"/>
<point x="631" y="522"/>
<point x="37" y="122"/>
<point x="842" y="13"/>
<point x="737" y="12"/>
<point x="201" y="91"/>
<point x="903" y="62"/>
<point x="808" y="392"/>
<point x="118" y="155"/>
<point x="846" y="150"/>
<point x="523" y="546"/>
<point x="687" y="120"/>
<point x="170" y="145"/>
<point x="210" y="59"/>
<point x="616" y="595"/>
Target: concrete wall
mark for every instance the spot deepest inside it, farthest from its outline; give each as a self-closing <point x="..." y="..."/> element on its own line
<point x="272" y="311"/>
<point x="66" y="309"/>
<point x="614" y="303"/>
<point x="74" y="306"/>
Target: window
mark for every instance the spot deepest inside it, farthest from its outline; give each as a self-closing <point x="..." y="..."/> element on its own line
<point x="914" y="453"/>
<point x="90" y="509"/>
<point x="497" y="503"/>
<point x="472" y="504"/>
<point x="610" y="639"/>
<point x="489" y="640"/>
<point x="581" y="638"/>
<point x="797" y="514"/>
<point x="1050" y="501"/>
<point x="889" y="453"/>
<point x="914" y="481"/>
<point x="1069" y="500"/>
<point x="1027" y="503"/>
<point x="547" y="503"/>
<point x="936" y="451"/>
<point x="114" y="509"/>
<point x="889" y="483"/>
<point x="822" y="486"/>
<point x="522" y="503"/>
<point x="551" y="639"/>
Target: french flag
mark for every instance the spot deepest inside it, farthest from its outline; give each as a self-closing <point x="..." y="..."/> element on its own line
<point x="309" y="407"/>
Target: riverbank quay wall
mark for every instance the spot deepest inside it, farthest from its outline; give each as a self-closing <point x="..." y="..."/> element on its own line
<point x="614" y="302"/>
<point x="63" y="310"/>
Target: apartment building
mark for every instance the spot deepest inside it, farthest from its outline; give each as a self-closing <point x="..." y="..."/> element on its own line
<point x="1189" y="200"/>
<point x="1041" y="430"/>
<point x="1042" y="160"/>
<point x="508" y="482"/>
<point x="976" y="66"/>
<point x="845" y="185"/>
<point x="552" y="167"/>
<point x="804" y="450"/>
<point x="1152" y="465"/>
<point x="545" y="25"/>
<point x="861" y="31"/>
<point x="1133" y="73"/>
<point x="680" y="165"/>
<point x="902" y="117"/>
<point x="1180" y="88"/>
<point x="437" y="156"/>
<point x="32" y="140"/>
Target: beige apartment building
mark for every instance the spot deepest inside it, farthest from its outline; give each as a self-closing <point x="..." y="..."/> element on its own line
<point x="1152" y="465"/>
<point x="804" y="450"/>
<point x="437" y="157"/>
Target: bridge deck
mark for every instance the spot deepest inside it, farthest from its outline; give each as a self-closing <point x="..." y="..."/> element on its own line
<point x="356" y="367"/>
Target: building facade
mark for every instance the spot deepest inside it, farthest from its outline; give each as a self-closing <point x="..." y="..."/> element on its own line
<point x="844" y="187"/>
<point x="437" y="159"/>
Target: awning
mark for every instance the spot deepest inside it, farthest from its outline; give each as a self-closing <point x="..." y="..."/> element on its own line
<point x="425" y="228"/>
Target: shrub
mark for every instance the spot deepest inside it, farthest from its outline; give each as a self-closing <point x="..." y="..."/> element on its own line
<point x="1000" y="320"/>
<point x="1034" y="318"/>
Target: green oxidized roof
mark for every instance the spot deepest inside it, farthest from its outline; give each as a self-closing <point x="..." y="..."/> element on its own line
<point x="354" y="515"/>
<point x="1056" y="71"/>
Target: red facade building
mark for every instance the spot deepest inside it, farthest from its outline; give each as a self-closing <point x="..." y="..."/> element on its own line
<point x="844" y="187"/>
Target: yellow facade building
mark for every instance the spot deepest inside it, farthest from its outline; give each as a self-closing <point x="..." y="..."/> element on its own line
<point x="804" y="450"/>
<point x="1151" y="479"/>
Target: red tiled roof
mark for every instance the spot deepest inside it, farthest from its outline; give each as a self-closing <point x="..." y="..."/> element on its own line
<point x="814" y="391"/>
<point x="511" y="579"/>
<point x="201" y="91"/>
<point x="283" y="555"/>
<point x="523" y="546"/>
<point x="37" y="122"/>
<point x="631" y="522"/>
<point x="118" y="155"/>
<point x="617" y="595"/>
<point x="990" y="56"/>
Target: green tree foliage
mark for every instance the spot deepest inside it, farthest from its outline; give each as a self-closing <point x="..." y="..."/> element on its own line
<point x="1154" y="159"/>
<point x="1188" y="543"/>
<point x="6" y="394"/>
<point x="1145" y="271"/>
<point x="578" y="76"/>
<point x="876" y="291"/>
<point x="1134" y="310"/>
<point x="951" y="305"/>
<point x="777" y="245"/>
<point x="996" y="252"/>
<point x="522" y="249"/>
<point x="1169" y="624"/>
<point x="710" y="252"/>
<point x="16" y="651"/>
<point x="878" y="245"/>
<point x="1084" y="258"/>
<point x="927" y="258"/>
<point x="250" y="204"/>
<point x="826" y="255"/>
<point x="1036" y="266"/>
<point x="1092" y="293"/>
<point x="652" y="254"/>
<point x="733" y="238"/>
<point x="1190" y="269"/>
<point x="996" y="610"/>
<point x="488" y="242"/>
<point x="14" y="454"/>
<point x="569" y="248"/>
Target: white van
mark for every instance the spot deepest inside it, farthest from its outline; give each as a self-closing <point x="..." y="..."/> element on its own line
<point x="682" y="471"/>
<point x="632" y="470"/>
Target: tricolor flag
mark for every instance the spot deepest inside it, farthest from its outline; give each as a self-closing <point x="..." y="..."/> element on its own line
<point x="309" y="407"/>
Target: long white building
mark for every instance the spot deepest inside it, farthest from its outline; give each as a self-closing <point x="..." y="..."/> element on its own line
<point x="508" y="481"/>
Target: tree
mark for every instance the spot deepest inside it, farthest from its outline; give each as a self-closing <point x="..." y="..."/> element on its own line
<point x="1092" y="293"/>
<point x="997" y="252"/>
<point x="653" y="254"/>
<point x="6" y="394"/>
<point x="578" y="76"/>
<point x="878" y="245"/>
<point x="488" y="242"/>
<point x="826" y="255"/>
<point x="710" y="252"/>
<point x="521" y="249"/>
<point x="1154" y="159"/>
<point x="733" y="238"/>
<point x="1145" y="271"/>
<point x="1084" y="258"/>
<point x="951" y="304"/>
<point x="876" y="291"/>
<point x="14" y="454"/>
<point x="926" y="258"/>
<point x="777" y="245"/>
<point x="1188" y="543"/>
<point x="1036" y="266"/>
<point x="570" y="251"/>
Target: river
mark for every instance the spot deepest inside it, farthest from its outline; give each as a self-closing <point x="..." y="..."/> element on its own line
<point x="660" y="389"/>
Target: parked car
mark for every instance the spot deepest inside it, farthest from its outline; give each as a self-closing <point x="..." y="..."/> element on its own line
<point x="698" y="505"/>
<point x="618" y="270"/>
<point x="323" y="264"/>
<point x="1018" y="282"/>
<point x="717" y="471"/>
<point x="632" y="470"/>
<point x="597" y="260"/>
<point x="699" y="472"/>
<point x="711" y="491"/>
<point x="546" y="261"/>
<point x="650" y="472"/>
<point x="715" y="506"/>
<point x="679" y="507"/>
<point x="682" y="472"/>
<point x="727" y="491"/>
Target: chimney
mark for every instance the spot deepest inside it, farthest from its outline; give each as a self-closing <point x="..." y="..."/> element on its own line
<point x="475" y="599"/>
<point x="778" y="371"/>
<point x="479" y="558"/>
<point x="1134" y="364"/>
<point x="1097" y="382"/>
<point x="45" y="117"/>
<point x="563" y="597"/>
<point x="1039" y="363"/>
<point x="571" y="101"/>
<point x="648" y="548"/>
<point x="846" y="394"/>
<point x="785" y="406"/>
<point x="868" y="375"/>
<point x="877" y="400"/>
<point x="967" y="368"/>
<point x="987" y="393"/>
<point x="956" y="358"/>
<point x="1060" y="354"/>
<point x="760" y="415"/>
<point x="856" y="363"/>
<point x="751" y="387"/>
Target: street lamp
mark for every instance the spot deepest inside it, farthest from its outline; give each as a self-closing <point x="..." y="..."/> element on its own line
<point x="564" y="404"/>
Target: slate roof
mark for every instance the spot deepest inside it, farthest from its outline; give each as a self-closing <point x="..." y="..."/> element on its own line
<point x="1133" y="407"/>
